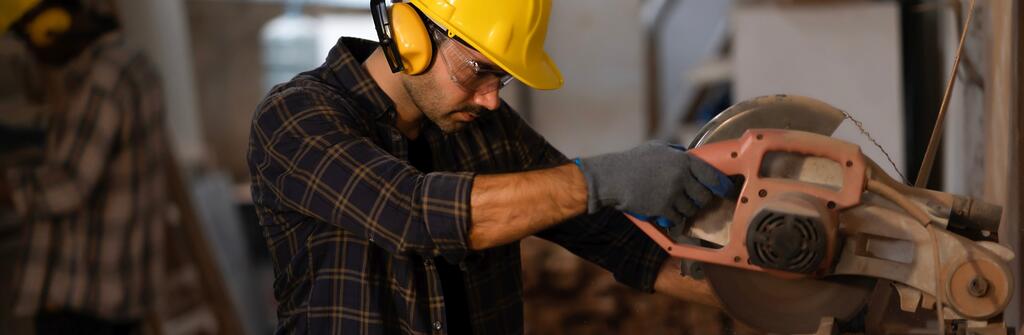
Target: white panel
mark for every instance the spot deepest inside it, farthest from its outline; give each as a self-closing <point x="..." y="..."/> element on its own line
<point x="343" y="24"/>
<point x="963" y="143"/>
<point x="691" y="36"/>
<point x="160" y="28"/>
<point x="598" y="47"/>
<point x="847" y="55"/>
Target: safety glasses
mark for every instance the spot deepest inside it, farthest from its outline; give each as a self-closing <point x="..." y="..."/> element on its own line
<point x="466" y="71"/>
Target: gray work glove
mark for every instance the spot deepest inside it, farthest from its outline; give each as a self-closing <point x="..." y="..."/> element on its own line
<point x="656" y="182"/>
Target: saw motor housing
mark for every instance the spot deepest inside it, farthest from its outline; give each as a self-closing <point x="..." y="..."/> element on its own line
<point x="790" y="225"/>
<point x="816" y="223"/>
<point x="791" y="234"/>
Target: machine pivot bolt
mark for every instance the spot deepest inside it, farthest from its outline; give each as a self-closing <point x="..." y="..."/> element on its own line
<point x="978" y="287"/>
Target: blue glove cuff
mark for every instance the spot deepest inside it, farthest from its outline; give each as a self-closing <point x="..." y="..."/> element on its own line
<point x="660" y="221"/>
<point x="724" y="186"/>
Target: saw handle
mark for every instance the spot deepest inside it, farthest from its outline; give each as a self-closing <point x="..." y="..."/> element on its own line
<point x="743" y="156"/>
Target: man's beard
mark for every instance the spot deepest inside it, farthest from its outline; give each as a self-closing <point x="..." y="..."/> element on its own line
<point x="428" y="98"/>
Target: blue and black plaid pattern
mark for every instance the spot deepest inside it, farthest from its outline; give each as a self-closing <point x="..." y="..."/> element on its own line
<point x="354" y="230"/>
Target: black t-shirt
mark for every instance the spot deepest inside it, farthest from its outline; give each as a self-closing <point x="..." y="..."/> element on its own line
<point x="453" y="285"/>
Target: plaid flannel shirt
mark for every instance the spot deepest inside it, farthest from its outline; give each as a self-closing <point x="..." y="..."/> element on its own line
<point x="353" y="229"/>
<point x="94" y="210"/>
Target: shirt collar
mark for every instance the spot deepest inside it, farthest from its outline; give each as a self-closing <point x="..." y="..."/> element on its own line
<point x="74" y="72"/>
<point x="89" y="54"/>
<point x="344" y="70"/>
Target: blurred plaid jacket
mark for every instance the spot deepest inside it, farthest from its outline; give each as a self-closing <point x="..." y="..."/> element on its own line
<point x="353" y="229"/>
<point x="95" y="208"/>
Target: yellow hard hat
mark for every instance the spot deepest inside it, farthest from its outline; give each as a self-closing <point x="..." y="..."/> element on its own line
<point x="12" y="10"/>
<point x="510" y="33"/>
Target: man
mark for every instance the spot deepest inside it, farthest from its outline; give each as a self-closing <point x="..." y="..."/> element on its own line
<point x="394" y="202"/>
<point x="94" y="207"/>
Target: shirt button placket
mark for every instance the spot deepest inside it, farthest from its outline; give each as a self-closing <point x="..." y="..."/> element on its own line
<point x="437" y="324"/>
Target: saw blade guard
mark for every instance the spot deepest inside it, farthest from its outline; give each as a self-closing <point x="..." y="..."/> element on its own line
<point x="800" y="183"/>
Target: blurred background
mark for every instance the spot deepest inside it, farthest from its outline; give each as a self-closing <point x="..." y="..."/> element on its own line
<point x="634" y="70"/>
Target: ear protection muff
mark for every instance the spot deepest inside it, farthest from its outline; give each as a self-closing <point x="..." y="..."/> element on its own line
<point x="43" y="29"/>
<point x="403" y="36"/>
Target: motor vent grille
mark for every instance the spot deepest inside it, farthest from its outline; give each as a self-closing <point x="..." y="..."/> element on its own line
<point x="786" y="242"/>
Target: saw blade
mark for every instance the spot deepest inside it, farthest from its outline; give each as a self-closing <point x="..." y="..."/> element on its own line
<point x="759" y="299"/>
<point x="787" y="306"/>
<point x="779" y="111"/>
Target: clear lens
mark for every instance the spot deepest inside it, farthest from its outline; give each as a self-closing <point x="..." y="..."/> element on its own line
<point x="469" y="73"/>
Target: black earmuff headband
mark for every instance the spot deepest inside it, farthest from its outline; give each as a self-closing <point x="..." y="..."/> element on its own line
<point x="381" y="20"/>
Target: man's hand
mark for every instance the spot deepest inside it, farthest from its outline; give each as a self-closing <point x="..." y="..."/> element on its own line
<point x="654" y="181"/>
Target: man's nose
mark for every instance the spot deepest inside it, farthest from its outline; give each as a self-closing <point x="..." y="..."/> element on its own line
<point x="488" y="100"/>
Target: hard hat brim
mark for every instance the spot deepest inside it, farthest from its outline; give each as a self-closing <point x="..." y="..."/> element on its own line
<point x="541" y="73"/>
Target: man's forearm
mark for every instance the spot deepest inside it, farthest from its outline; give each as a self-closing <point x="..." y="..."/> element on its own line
<point x="509" y="207"/>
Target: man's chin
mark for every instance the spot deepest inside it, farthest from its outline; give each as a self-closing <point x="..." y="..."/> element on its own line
<point x="452" y="127"/>
<point x="455" y="121"/>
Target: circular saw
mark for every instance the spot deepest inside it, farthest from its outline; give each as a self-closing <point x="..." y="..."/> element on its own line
<point x="818" y="229"/>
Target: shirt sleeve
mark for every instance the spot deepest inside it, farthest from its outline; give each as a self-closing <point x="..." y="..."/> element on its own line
<point x="309" y="160"/>
<point x="606" y="238"/>
<point x="611" y="241"/>
<point x="77" y="153"/>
